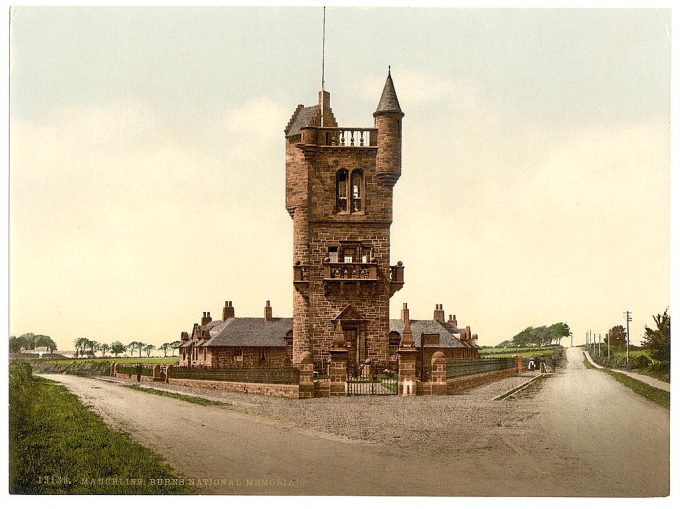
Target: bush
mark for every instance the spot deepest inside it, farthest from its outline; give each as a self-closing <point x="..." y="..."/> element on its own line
<point x="640" y="362"/>
<point x="75" y="367"/>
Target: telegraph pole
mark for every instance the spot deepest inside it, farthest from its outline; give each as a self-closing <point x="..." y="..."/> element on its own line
<point x="629" y="318"/>
<point x="599" y="345"/>
<point x="607" y="338"/>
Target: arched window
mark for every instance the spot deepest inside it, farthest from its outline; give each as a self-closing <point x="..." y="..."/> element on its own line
<point x="356" y="188"/>
<point x="349" y="191"/>
<point x="341" y="190"/>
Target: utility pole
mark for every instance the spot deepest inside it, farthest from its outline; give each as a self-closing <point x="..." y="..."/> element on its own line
<point x="607" y="338"/>
<point x="629" y="318"/>
<point x="599" y="345"/>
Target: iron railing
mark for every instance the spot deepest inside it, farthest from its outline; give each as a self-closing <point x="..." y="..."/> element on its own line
<point x="248" y="375"/>
<point x="471" y="367"/>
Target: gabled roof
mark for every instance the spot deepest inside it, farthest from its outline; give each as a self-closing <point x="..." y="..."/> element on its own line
<point x="447" y="339"/>
<point x="388" y="100"/>
<point x="251" y="332"/>
<point x="302" y="117"/>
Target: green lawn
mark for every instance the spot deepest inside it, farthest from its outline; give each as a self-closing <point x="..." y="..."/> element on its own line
<point x="121" y="360"/>
<point x="57" y="446"/>
<point x="545" y="351"/>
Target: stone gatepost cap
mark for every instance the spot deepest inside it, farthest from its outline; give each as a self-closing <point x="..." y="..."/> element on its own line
<point x="438" y="355"/>
<point x="306" y="358"/>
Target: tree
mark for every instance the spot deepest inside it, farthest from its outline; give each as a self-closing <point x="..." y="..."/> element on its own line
<point x="104" y="348"/>
<point x="616" y="336"/>
<point x="164" y="348"/>
<point x="659" y="341"/>
<point x="93" y="347"/>
<point x="15" y="344"/>
<point x="148" y="349"/>
<point x="82" y="345"/>
<point x="117" y="348"/>
<point x="557" y="331"/>
<point x="133" y="348"/>
<point x="27" y="341"/>
<point x="175" y="345"/>
<point x="523" y="338"/>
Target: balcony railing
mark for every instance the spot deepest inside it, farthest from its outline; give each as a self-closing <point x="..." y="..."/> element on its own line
<point x="340" y="136"/>
<point x="397" y="273"/>
<point x="300" y="273"/>
<point x="350" y="271"/>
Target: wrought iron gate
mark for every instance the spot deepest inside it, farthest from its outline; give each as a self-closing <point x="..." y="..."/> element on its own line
<point x="365" y="384"/>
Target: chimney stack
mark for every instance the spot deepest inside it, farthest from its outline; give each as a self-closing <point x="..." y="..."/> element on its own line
<point x="453" y="322"/>
<point x="206" y="318"/>
<point x="405" y="314"/>
<point x="439" y="313"/>
<point x="227" y="310"/>
<point x="268" y="312"/>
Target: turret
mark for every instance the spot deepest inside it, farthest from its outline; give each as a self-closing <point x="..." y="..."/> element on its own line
<point x="388" y="117"/>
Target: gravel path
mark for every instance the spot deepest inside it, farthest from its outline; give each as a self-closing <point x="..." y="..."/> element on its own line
<point x="659" y="384"/>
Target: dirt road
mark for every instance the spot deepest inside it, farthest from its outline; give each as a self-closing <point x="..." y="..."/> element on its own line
<point x="581" y="434"/>
<point x="622" y="435"/>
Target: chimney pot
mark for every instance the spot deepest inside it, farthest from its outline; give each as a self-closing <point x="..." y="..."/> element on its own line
<point x="268" y="312"/>
<point x="405" y="314"/>
<point x="228" y="310"/>
<point x="439" y="313"/>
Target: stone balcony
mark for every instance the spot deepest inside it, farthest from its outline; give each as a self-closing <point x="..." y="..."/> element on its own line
<point x="355" y="271"/>
<point x="396" y="278"/>
<point x="354" y="137"/>
<point x="345" y="274"/>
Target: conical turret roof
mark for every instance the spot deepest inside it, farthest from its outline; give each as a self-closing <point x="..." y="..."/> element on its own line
<point x="388" y="101"/>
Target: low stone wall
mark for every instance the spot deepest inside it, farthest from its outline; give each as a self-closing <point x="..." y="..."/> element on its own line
<point x="278" y="390"/>
<point x="127" y="376"/>
<point x="461" y="383"/>
<point x="322" y="388"/>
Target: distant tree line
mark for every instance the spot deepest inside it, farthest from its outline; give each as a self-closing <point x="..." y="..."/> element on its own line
<point x="543" y="335"/>
<point x="85" y="347"/>
<point x="30" y="341"/>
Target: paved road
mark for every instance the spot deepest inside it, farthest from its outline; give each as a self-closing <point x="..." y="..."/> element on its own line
<point x="659" y="384"/>
<point x="622" y="436"/>
<point x="582" y="434"/>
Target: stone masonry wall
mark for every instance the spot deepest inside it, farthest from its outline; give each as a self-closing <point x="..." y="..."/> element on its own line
<point x="278" y="390"/>
<point x="454" y="385"/>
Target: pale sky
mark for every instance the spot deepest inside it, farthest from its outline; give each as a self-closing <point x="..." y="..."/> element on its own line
<point x="147" y="162"/>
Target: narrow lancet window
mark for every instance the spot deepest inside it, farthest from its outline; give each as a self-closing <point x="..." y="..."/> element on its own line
<point x="357" y="190"/>
<point x="341" y="191"/>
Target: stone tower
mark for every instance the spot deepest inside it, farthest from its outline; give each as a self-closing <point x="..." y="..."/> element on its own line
<point x="339" y="183"/>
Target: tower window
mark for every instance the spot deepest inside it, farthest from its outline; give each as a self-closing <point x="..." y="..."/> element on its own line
<point x="357" y="191"/>
<point x="349" y="190"/>
<point x="341" y="191"/>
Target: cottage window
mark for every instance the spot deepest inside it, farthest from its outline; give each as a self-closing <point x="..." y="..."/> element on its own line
<point x="333" y="254"/>
<point x="238" y="352"/>
<point x="263" y="355"/>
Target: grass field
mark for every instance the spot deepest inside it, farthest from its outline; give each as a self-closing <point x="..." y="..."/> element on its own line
<point x="121" y="360"/>
<point x="57" y="446"/>
<point x="545" y="351"/>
